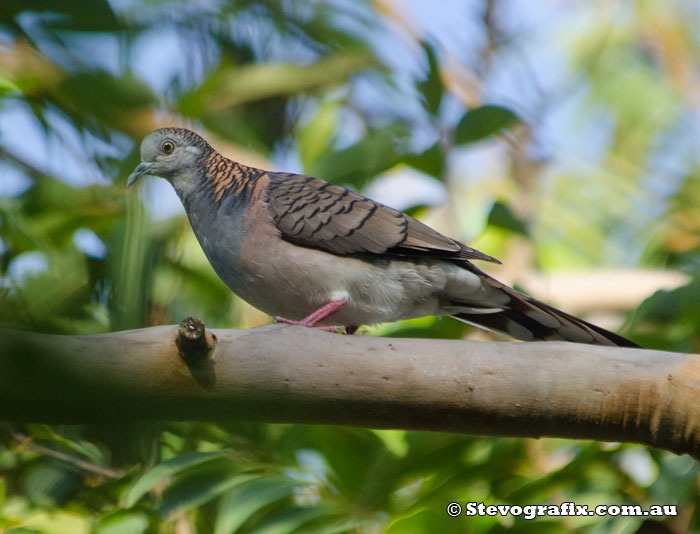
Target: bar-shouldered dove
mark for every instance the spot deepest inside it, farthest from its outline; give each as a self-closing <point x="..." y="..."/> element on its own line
<point x="315" y="253"/>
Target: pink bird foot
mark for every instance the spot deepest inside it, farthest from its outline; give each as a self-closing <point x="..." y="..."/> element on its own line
<point x="319" y="315"/>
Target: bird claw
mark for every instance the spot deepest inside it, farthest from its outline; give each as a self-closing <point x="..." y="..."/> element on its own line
<point x="333" y="329"/>
<point x="319" y="315"/>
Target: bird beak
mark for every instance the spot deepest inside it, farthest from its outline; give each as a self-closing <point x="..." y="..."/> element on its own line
<point x="142" y="168"/>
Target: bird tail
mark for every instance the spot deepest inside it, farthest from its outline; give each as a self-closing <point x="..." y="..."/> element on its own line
<point x="528" y="319"/>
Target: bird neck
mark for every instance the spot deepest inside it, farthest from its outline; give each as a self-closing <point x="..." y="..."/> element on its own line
<point x="216" y="184"/>
<point x="224" y="177"/>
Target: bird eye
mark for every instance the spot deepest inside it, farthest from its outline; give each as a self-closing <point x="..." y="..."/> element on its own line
<point x="167" y="147"/>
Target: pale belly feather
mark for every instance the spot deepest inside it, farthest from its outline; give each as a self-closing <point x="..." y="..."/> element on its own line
<point x="376" y="290"/>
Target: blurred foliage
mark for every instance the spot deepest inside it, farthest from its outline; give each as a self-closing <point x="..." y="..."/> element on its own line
<point x="352" y="92"/>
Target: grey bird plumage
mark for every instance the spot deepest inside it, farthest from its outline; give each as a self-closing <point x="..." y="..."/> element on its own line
<point x="292" y="245"/>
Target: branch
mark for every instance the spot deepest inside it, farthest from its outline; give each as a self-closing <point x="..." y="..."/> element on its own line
<point x="293" y="374"/>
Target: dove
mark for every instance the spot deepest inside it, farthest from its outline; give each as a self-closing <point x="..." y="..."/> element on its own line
<point x="316" y="254"/>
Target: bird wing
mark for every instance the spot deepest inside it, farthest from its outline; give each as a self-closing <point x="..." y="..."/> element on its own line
<point x="313" y="213"/>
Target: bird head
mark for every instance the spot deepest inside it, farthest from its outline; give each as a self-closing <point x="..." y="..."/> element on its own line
<point x="171" y="153"/>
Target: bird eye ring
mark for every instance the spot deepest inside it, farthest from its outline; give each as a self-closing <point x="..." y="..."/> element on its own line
<point x="167" y="147"/>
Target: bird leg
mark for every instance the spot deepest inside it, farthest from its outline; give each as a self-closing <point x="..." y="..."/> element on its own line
<point x="319" y="315"/>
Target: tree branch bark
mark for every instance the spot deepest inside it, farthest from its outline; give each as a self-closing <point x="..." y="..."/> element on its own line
<point x="293" y="374"/>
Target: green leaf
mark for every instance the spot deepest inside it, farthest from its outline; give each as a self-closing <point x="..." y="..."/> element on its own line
<point x="100" y="94"/>
<point x="238" y="505"/>
<point x="428" y="327"/>
<point x="256" y="125"/>
<point x="668" y="319"/>
<point x="431" y="162"/>
<point x="357" y="164"/>
<point x="87" y="449"/>
<point x="7" y="85"/>
<point x="49" y="483"/>
<point x="122" y="522"/>
<point x="430" y="454"/>
<point x="78" y="15"/>
<point x="482" y="122"/>
<point x="394" y="441"/>
<point x="431" y="88"/>
<point x="134" y="253"/>
<point x="359" y="464"/>
<point x="544" y="526"/>
<point x="503" y="217"/>
<point x="58" y="291"/>
<point x="432" y="521"/>
<point x="331" y="526"/>
<point x="315" y="137"/>
<point x="163" y="471"/>
<point x="199" y="486"/>
<point x="537" y="489"/>
<point x="290" y="521"/>
<point x="233" y="86"/>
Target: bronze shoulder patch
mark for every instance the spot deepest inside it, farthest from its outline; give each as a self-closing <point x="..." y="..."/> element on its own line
<point x="227" y="176"/>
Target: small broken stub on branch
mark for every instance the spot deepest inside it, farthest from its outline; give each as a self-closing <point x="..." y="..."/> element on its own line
<point x="193" y="341"/>
<point x="196" y="346"/>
